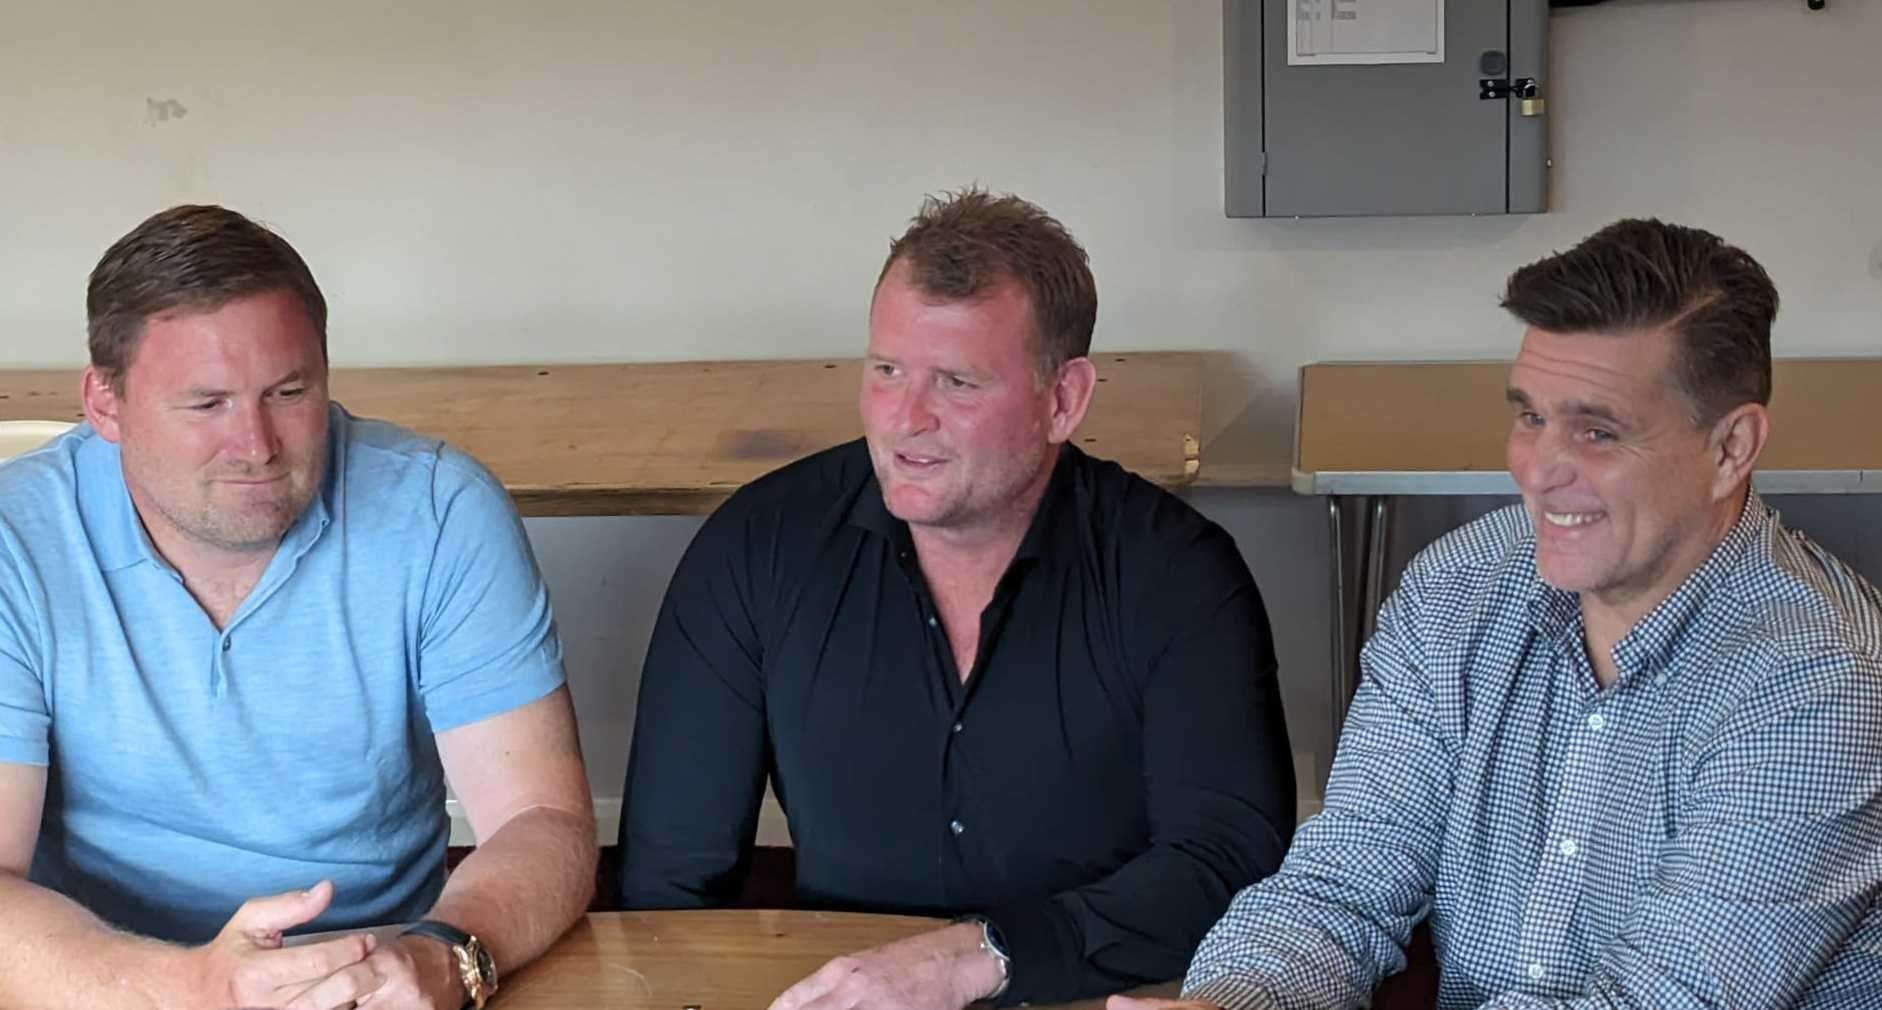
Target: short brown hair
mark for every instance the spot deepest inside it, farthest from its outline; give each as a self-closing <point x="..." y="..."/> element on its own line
<point x="962" y="244"/>
<point x="1638" y="275"/>
<point x="191" y="257"/>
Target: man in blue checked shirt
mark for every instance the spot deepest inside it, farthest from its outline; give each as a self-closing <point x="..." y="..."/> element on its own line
<point x="1622" y="744"/>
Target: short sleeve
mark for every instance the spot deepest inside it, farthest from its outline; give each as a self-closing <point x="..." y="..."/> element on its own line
<point x="25" y="718"/>
<point x="487" y="639"/>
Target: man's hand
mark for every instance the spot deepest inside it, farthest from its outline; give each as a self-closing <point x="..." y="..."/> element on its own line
<point x="942" y="970"/>
<point x="415" y="973"/>
<point x="246" y="965"/>
<point x="1129" y="1003"/>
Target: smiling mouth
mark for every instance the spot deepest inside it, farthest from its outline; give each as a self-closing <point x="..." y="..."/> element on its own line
<point x="1572" y="520"/>
<point x="916" y="460"/>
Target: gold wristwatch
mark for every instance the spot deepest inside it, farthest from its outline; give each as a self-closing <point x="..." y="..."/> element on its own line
<point x="474" y="964"/>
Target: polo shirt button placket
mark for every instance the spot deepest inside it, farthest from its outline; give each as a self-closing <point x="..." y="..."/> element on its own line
<point x="219" y="664"/>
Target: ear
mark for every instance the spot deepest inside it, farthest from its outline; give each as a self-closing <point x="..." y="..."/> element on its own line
<point x="101" y="404"/>
<point x="1735" y="443"/>
<point x="1071" y="395"/>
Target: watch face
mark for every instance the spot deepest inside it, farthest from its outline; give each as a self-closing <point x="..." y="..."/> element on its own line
<point x="997" y="940"/>
<point x="486" y="967"/>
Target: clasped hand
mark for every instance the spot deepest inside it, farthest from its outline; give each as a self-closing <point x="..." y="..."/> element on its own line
<point x="248" y="964"/>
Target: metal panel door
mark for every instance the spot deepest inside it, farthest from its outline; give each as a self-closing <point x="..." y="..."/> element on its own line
<point x="1410" y="138"/>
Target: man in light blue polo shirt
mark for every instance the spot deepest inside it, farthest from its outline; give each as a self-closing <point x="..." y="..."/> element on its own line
<point x="244" y="639"/>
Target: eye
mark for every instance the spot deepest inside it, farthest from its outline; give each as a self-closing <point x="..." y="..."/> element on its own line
<point x="883" y="369"/>
<point x="1529" y="419"/>
<point x="955" y="382"/>
<point x="1598" y="435"/>
<point x="204" y="406"/>
<point x="293" y="393"/>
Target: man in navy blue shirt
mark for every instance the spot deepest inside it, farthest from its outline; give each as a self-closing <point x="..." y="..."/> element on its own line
<point x="989" y="675"/>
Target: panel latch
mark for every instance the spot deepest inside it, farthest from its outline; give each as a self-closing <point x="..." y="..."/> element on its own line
<point x="1524" y="89"/>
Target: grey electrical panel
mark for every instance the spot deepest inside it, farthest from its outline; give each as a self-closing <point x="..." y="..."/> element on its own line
<point x="1371" y="107"/>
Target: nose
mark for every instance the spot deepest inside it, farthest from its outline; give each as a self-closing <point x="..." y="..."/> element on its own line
<point x="1540" y="463"/>
<point x="914" y="415"/>
<point x="253" y="437"/>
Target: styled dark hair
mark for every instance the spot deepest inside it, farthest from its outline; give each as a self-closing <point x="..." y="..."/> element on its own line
<point x="1638" y="275"/>
<point x="962" y="244"/>
<point x="191" y="257"/>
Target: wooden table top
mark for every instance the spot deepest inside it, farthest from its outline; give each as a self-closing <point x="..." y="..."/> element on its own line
<point x="714" y="960"/>
<point x="677" y="438"/>
<point x="1440" y="427"/>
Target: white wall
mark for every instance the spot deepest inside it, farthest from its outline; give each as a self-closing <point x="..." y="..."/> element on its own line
<point x="476" y="181"/>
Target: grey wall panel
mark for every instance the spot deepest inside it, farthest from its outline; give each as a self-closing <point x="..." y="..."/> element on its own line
<point x="1394" y="139"/>
<point x="1241" y="108"/>
<point x="1529" y="135"/>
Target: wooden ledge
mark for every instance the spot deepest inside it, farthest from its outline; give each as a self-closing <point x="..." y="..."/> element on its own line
<point x="678" y="438"/>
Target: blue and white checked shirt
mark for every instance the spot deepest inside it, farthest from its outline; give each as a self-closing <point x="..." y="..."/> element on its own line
<point x="1705" y="833"/>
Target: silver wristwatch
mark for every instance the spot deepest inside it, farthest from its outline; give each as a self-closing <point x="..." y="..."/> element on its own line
<point x="993" y="942"/>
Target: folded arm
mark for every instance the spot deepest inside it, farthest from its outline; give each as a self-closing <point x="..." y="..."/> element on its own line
<point x="52" y="951"/>
<point x="490" y="672"/>
<point x="696" y="770"/>
<point x="1334" y="921"/>
<point x="54" y="954"/>
<point x="521" y="781"/>
<point x="1220" y="787"/>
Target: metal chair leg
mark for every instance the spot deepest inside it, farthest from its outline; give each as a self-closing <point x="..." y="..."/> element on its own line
<point x="1342" y="681"/>
<point x="1378" y="544"/>
<point x="1359" y="548"/>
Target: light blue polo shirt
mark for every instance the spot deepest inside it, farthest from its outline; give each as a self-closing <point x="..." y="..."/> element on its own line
<point x="189" y="769"/>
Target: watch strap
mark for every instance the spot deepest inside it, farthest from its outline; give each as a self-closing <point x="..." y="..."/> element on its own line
<point x="443" y="932"/>
<point x="472" y="962"/>
<point x="993" y="942"/>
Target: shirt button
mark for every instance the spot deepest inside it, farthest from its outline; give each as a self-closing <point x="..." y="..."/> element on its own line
<point x="1536" y="971"/>
<point x="1568" y="848"/>
<point x="226" y="642"/>
<point x="958" y="727"/>
<point x="956" y="826"/>
<point x="933" y="621"/>
<point x="1596" y="722"/>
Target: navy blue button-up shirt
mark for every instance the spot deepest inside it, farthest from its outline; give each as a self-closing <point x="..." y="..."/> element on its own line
<point x="1112" y="772"/>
